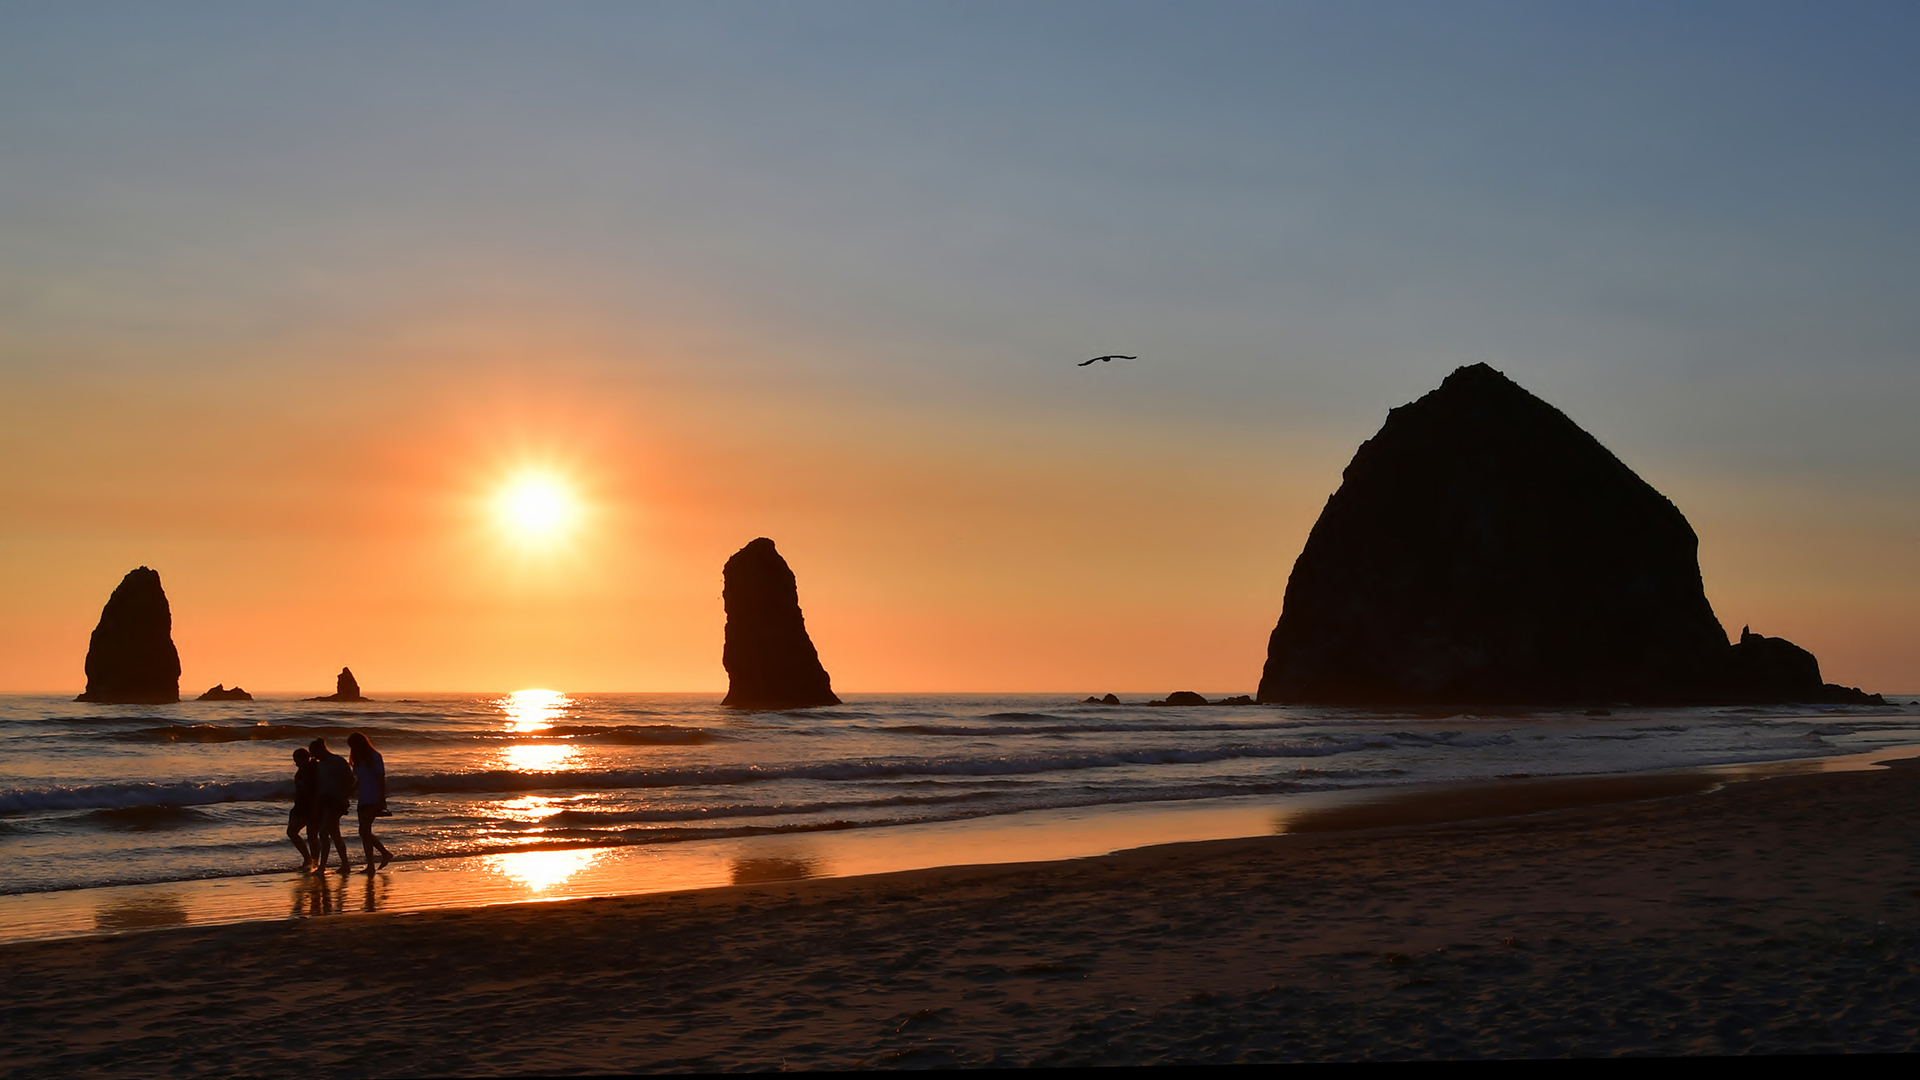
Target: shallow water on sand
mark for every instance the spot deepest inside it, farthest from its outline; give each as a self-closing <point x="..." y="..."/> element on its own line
<point x="94" y="796"/>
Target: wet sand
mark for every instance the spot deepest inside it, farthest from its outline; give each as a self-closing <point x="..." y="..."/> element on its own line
<point x="1773" y="916"/>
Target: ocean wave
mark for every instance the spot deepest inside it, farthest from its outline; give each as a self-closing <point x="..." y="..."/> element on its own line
<point x="264" y="732"/>
<point x="115" y="796"/>
<point x="589" y="818"/>
<point x="102" y="796"/>
<point x="611" y="734"/>
<point x="625" y="734"/>
<point x="145" y="818"/>
<point x="1080" y="728"/>
<point x="863" y="769"/>
<point x="1459" y="739"/>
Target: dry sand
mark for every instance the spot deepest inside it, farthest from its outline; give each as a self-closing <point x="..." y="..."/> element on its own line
<point x="1770" y="916"/>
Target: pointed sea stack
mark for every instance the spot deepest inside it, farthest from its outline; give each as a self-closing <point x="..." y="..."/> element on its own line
<point x="1483" y="549"/>
<point x="346" y="688"/>
<point x="131" y="659"/>
<point x="770" y="660"/>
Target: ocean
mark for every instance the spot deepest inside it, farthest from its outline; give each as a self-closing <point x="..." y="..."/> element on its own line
<point x="101" y="796"/>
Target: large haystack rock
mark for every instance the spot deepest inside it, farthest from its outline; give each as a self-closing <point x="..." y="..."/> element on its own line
<point x="770" y="660"/>
<point x="131" y="659"/>
<point x="1483" y="549"/>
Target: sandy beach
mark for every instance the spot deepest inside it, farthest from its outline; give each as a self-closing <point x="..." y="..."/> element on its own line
<point x="1771" y="916"/>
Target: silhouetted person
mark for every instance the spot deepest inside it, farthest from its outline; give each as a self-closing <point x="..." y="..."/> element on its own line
<point x="370" y="773"/>
<point x="331" y="796"/>
<point x="300" y="818"/>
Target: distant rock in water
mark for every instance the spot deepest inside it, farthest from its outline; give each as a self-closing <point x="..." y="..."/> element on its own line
<point x="346" y="688"/>
<point x="770" y="660"/>
<point x="221" y="693"/>
<point x="1483" y="549"/>
<point x="131" y="659"/>
<point x="1110" y="699"/>
<point x="1181" y="697"/>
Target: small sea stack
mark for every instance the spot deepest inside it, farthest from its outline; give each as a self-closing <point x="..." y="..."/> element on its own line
<point x="771" y="662"/>
<point x="219" y="692"/>
<point x="1482" y="549"/>
<point x="346" y="688"/>
<point x="131" y="659"/>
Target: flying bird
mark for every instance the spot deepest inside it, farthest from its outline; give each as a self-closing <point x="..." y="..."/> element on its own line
<point x="1104" y="359"/>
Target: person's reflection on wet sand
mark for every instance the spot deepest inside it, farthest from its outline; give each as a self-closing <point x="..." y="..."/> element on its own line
<point x="376" y="895"/>
<point x="314" y="895"/>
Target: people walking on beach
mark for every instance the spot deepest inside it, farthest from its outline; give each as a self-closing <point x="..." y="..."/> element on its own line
<point x="300" y="818"/>
<point x="370" y="773"/>
<point x="332" y="793"/>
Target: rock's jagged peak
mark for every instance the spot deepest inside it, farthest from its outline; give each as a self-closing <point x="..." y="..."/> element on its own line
<point x="1479" y="408"/>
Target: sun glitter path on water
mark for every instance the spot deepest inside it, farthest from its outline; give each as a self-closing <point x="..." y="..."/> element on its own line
<point x="533" y="710"/>
<point x="536" y="508"/>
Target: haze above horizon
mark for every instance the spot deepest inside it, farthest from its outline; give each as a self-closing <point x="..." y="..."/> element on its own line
<point x="462" y="345"/>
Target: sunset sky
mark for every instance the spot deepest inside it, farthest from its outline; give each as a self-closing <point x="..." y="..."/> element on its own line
<point x="292" y="296"/>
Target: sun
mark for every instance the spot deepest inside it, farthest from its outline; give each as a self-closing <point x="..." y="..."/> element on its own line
<point x="536" y="508"/>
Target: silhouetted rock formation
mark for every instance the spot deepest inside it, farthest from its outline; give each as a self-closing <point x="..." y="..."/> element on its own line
<point x="131" y="659"/>
<point x="770" y="660"/>
<point x="1181" y="697"/>
<point x="221" y="693"/>
<point x="1483" y="549"/>
<point x="1775" y="670"/>
<point x="346" y="688"/>
<point x="1110" y="699"/>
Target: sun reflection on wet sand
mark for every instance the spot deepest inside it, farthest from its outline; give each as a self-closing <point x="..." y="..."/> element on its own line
<point x="539" y="871"/>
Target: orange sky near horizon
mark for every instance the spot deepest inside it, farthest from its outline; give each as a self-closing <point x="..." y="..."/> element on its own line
<point x="287" y="294"/>
<point x="936" y="550"/>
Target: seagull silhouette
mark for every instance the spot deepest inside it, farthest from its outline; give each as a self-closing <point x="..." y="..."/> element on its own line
<point x="1103" y="359"/>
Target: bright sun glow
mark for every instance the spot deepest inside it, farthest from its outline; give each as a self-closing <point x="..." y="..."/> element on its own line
<point x="539" y="757"/>
<point x="533" y="710"/>
<point x="536" y="508"/>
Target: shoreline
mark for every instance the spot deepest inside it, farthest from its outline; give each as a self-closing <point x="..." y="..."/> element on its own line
<point x="1768" y="917"/>
<point x="571" y="873"/>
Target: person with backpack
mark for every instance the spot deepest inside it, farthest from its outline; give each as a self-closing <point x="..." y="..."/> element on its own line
<point x="370" y="773"/>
